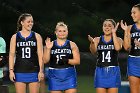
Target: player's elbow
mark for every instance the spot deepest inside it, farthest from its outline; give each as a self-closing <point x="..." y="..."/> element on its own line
<point x="45" y="60"/>
<point x="126" y="48"/>
<point x="118" y="48"/>
<point x="77" y="62"/>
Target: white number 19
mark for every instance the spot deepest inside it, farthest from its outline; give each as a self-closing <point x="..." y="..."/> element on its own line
<point x="26" y="52"/>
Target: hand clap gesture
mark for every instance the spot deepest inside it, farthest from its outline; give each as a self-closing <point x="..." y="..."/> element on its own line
<point x="90" y="39"/>
<point x="115" y="29"/>
<point x="49" y="43"/>
<point x="124" y="26"/>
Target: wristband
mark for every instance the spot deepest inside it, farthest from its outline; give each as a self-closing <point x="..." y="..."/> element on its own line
<point x="11" y="69"/>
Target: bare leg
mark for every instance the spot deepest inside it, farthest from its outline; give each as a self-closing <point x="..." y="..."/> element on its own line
<point x="134" y="84"/>
<point x="71" y="91"/>
<point x="55" y="92"/>
<point x="112" y="90"/>
<point x="20" y="87"/>
<point x="101" y="90"/>
<point x="42" y="87"/>
<point x="34" y="87"/>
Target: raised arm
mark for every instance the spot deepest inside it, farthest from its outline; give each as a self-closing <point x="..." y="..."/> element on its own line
<point x="117" y="41"/>
<point x="76" y="55"/>
<point x="93" y="44"/>
<point x="127" y="37"/>
<point x="47" y="50"/>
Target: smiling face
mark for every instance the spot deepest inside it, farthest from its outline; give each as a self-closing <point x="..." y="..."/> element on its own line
<point x="107" y="27"/>
<point x="61" y="32"/>
<point x="135" y="13"/>
<point x="27" y="23"/>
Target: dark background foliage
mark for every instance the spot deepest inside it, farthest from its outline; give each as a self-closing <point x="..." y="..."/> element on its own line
<point x="83" y="17"/>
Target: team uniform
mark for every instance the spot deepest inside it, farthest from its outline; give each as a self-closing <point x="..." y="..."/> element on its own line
<point x="107" y="73"/>
<point x="61" y="75"/>
<point x="134" y="54"/>
<point x="26" y="66"/>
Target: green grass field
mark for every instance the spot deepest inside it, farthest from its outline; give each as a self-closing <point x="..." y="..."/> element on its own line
<point x="85" y="85"/>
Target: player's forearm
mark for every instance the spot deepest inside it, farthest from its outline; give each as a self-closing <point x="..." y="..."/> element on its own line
<point x="117" y="44"/>
<point x="126" y="42"/>
<point x="74" y="61"/>
<point x="41" y="65"/>
<point x="40" y="59"/>
<point x="46" y="55"/>
<point x="11" y="61"/>
<point x="92" y="48"/>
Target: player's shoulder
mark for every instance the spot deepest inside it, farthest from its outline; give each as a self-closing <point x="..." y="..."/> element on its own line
<point x="73" y="44"/>
<point x="14" y="36"/>
<point x="37" y="35"/>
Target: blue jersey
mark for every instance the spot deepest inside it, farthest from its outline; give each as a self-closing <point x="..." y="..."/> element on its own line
<point x="59" y="53"/>
<point x="106" y="53"/>
<point x="135" y="34"/>
<point x="26" y="54"/>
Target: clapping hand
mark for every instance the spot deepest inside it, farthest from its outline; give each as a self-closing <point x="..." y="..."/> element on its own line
<point x="90" y="39"/>
<point x="49" y="43"/>
<point x="124" y="26"/>
<point x="115" y="29"/>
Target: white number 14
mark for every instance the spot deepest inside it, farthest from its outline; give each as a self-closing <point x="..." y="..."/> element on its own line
<point x="107" y="56"/>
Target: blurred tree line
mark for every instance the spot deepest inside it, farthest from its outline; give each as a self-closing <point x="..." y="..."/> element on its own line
<point x="83" y="17"/>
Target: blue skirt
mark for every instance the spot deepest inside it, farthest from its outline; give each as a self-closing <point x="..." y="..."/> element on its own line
<point x="133" y="68"/>
<point x="107" y="77"/>
<point x="26" y="77"/>
<point x="62" y="79"/>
